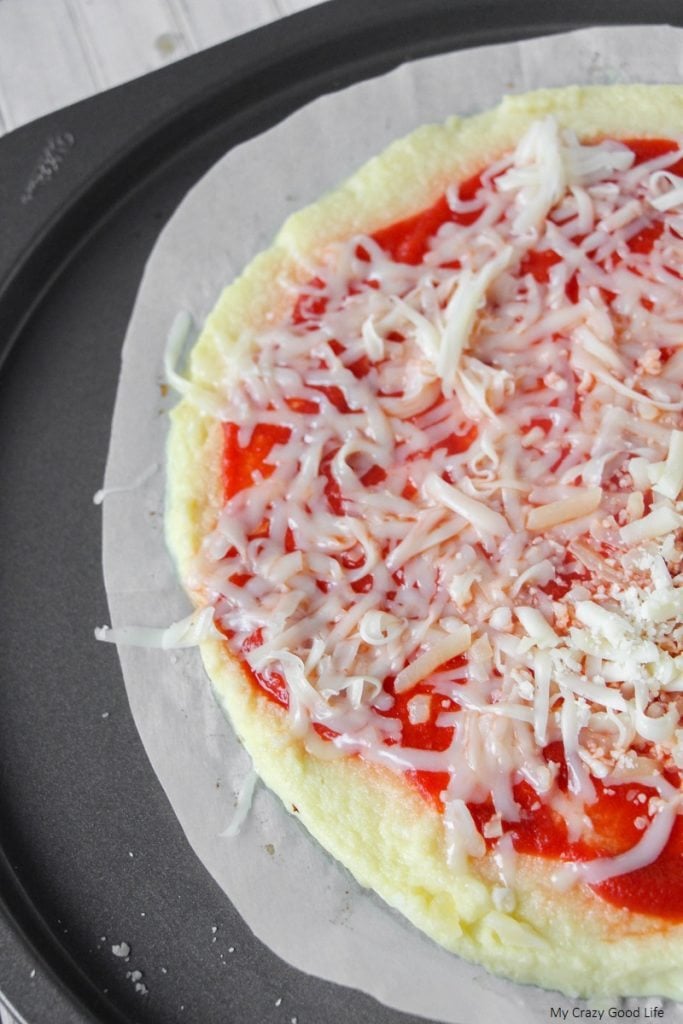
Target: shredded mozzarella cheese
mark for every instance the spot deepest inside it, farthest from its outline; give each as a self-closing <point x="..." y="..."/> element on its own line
<point x="483" y="461"/>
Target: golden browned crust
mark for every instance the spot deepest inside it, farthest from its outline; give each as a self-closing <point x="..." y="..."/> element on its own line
<point x="372" y="821"/>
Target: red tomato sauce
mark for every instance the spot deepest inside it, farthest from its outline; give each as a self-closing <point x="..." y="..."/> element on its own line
<point x="657" y="889"/>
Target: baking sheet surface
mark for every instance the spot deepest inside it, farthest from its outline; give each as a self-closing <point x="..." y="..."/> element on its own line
<point x="293" y="896"/>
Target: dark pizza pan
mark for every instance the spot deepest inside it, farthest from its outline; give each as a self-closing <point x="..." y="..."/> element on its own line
<point x="91" y="855"/>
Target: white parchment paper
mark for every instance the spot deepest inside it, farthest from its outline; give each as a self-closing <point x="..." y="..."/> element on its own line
<point x="294" y="897"/>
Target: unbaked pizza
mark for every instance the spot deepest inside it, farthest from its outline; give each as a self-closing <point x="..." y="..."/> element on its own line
<point x="425" y="486"/>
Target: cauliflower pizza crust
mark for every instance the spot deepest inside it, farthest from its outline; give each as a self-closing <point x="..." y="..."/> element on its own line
<point x="521" y="875"/>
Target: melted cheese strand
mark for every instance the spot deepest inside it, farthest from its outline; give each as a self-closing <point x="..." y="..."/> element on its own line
<point x="450" y="647"/>
<point x="581" y="503"/>
<point x="461" y="311"/>
<point x="475" y="512"/>
<point x="645" y="851"/>
<point x="191" y="631"/>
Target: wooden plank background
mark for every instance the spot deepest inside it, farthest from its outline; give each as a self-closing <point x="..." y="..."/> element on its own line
<point x="54" y="52"/>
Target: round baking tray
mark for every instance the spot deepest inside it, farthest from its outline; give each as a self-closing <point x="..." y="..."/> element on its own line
<point x="91" y="856"/>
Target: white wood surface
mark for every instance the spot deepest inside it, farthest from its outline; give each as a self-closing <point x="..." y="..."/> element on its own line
<point x="54" y="52"/>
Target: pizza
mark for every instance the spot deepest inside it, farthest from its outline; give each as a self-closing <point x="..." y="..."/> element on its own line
<point x="424" y="485"/>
